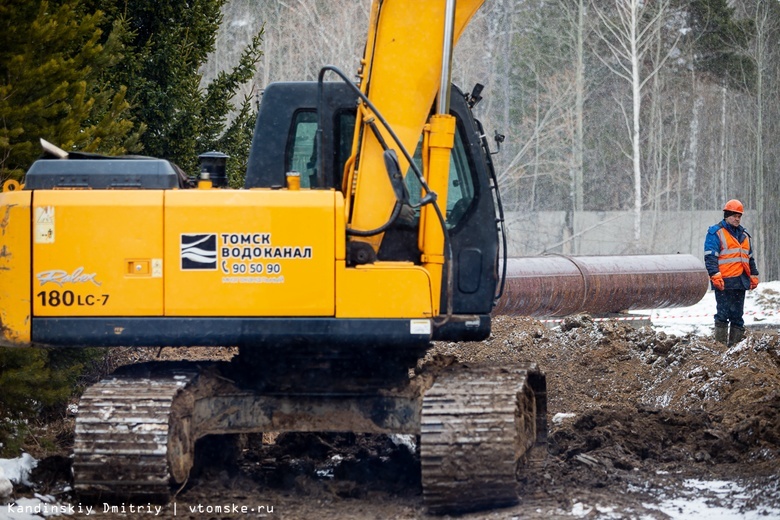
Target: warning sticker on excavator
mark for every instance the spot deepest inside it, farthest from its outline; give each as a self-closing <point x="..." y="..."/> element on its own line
<point x="419" y="326"/>
<point x="44" y="225"/>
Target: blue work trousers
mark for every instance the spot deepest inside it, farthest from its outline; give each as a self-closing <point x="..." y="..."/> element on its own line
<point x="730" y="306"/>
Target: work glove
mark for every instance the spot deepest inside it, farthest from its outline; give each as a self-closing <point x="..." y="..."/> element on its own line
<point x="753" y="282"/>
<point x="717" y="281"/>
<point x="407" y="214"/>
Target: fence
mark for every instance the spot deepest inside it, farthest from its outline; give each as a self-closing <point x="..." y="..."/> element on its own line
<point x="609" y="232"/>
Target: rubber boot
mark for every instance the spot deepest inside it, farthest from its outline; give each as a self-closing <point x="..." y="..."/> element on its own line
<point x="736" y="334"/>
<point x="721" y="332"/>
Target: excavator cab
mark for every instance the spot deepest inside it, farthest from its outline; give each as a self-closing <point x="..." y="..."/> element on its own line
<point x="287" y="120"/>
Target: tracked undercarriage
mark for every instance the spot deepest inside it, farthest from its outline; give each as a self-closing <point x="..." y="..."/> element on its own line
<point x="136" y="430"/>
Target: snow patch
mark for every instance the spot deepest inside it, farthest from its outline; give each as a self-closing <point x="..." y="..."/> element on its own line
<point x="18" y="470"/>
<point x="404" y="440"/>
<point x="699" y="500"/>
<point x="762" y="308"/>
<point x="558" y="418"/>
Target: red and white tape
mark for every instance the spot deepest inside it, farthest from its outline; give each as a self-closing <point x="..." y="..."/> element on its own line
<point x="616" y="318"/>
<point x="652" y="317"/>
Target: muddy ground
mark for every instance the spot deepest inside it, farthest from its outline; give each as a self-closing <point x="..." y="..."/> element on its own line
<point x="635" y="418"/>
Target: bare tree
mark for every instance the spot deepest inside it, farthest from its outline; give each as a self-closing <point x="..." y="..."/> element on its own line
<point x="628" y="29"/>
<point x="761" y="51"/>
<point x="577" y="32"/>
<point x="300" y="36"/>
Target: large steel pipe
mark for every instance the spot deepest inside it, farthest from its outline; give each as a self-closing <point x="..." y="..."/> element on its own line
<point x="557" y="285"/>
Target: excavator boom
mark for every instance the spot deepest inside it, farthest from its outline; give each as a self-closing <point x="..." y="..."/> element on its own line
<point x="401" y="74"/>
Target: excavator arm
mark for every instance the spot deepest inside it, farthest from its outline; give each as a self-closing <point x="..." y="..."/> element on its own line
<point x="405" y="66"/>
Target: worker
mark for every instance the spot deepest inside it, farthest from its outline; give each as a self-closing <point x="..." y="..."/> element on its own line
<point x="728" y="256"/>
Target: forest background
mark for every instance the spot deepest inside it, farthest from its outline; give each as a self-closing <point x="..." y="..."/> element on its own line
<point x="661" y="108"/>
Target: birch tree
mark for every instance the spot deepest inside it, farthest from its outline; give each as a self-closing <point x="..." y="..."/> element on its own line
<point x="628" y="30"/>
<point x="577" y="31"/>
<point x="547" y="72"/>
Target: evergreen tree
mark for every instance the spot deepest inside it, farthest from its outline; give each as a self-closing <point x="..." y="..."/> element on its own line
<point x="718" y="37"/>
<point x="169" y="43"/>
<point x="52" y="58"/>
<point x="37" y="383"/>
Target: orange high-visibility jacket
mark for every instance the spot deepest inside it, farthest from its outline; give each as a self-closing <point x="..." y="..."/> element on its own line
<point x="734" y="258"/>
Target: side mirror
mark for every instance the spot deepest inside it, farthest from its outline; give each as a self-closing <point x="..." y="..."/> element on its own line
<point x="499" y="138"/>
<point x="475" y="96"/>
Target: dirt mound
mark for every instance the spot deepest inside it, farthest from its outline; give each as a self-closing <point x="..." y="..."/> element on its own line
<point x="640" y="395"/>
<point x="628" y="407"/>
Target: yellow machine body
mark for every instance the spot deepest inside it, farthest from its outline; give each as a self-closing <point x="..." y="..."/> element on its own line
<point x="401" y="71"/>
<point x="250" y="253"/>
<point x="97" y="253"/>
<point x="15" y="265"/>
<point x="190" y="253"/>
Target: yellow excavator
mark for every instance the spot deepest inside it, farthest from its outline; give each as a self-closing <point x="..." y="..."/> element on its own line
<point x="369" y="226"/>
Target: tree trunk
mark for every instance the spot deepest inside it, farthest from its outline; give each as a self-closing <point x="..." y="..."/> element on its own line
<point x="636" y="92"/>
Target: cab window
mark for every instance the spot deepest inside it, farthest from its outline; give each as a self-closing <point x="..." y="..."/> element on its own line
<point x="302" y="149"/>
<point x="461" y="183"/>
<point x="302" y="155"/>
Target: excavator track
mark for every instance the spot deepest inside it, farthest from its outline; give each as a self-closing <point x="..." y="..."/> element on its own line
<point x="136" y="430"/>
<point x="132" y="435"/>
<point x="477" y="427"/>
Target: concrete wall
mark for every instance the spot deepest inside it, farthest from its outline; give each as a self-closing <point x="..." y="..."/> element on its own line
<point x="610" y="232"/>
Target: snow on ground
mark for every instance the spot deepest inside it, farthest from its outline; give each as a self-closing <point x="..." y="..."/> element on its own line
<point x="762" y="309"/>
<point x="701" y="500"/>
<point x="18" y="470"/>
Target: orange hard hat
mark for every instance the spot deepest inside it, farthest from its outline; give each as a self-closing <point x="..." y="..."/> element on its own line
<point x="734" y="205"/>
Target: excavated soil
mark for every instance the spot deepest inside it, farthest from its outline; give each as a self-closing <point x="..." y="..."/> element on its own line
<point x="634" y="417"/>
